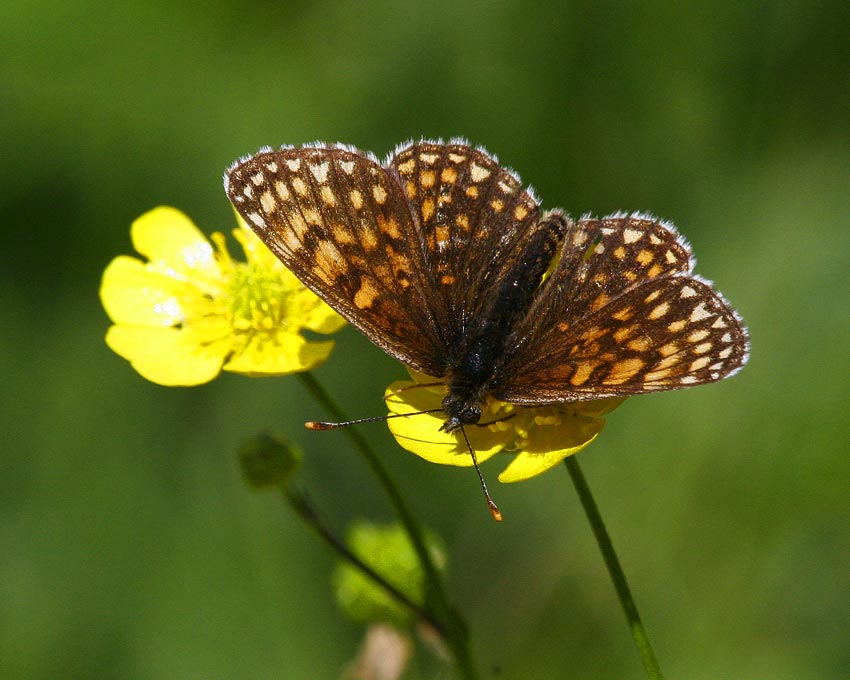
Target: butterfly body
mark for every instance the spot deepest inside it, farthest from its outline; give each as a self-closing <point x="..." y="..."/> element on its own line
<point x="474" y="375"/>
<point x="438" y="256"/>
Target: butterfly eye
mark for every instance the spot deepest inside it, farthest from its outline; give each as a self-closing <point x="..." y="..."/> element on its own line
<point x="470" y="415"/>
<point x="451" y="403"/>
<point x="460" y="411"/>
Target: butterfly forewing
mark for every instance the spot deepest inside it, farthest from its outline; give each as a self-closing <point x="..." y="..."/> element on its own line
<point x="340" y="222"/>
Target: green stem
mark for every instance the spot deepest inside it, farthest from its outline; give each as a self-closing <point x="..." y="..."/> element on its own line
<point x="307" y="512"/>
<point x="453" y="627"/>
<point x="647" y="654"/>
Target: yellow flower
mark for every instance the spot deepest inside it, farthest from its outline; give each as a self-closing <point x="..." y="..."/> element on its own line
<point x="191" y="310"/>
<point x="540" y="437"/>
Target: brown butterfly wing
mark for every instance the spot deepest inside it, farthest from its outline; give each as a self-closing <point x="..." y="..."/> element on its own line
<point x="414" y="254"/>
<point x="340" y="222"/>
<point x="411" y="253"/>
<point x="475" y="217"/>
<point x="621" y="314"/>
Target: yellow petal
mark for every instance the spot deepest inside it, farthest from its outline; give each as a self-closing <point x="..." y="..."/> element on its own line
<point x="168" y="356"/>
<point x="598" y="407"/>
<point x="256" y="252"/>
<point x="420" y="434"/>
<point x="173" y="244"/>
<point x="278" y="354"/>
<point x="316" y="315"/>
<point x="547" y="444"/>
<point x="133" y="294"/>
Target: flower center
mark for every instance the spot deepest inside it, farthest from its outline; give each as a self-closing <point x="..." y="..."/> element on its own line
<point x="258" y="299"/>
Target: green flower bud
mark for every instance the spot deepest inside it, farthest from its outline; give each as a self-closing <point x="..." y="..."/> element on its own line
<point x="387" y="550"/>
<point x="268" y="459"/>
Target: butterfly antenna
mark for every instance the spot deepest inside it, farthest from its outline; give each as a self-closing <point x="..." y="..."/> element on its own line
<point x="494" y="509"/>
<point x="322" y="425"/>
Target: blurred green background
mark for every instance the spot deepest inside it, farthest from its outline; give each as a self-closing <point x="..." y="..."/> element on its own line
<point x="129" y="547"/>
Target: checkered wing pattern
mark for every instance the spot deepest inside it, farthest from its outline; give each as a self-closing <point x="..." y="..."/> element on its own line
<point x="621" y="314"/>
<point x="338" y="220"/>
<point x="411" y="252"/>
<point x="436" y="256"/>
<point x="475" y="217"/>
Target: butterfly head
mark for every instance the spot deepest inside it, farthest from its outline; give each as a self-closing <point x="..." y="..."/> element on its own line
<point x="461" y="410"/>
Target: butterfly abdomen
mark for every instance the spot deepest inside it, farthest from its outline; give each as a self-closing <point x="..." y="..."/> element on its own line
<point x="472" y="373"/>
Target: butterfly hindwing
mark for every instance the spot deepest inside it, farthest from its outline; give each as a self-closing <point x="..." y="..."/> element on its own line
<point x="622" y="314"/>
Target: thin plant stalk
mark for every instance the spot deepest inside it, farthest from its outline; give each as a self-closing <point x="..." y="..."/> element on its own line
<point x="615" y="571"/>
<point x="452" y="625"/>
<point x="308" y="513"/>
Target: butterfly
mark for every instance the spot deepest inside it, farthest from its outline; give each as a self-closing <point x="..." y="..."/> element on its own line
<point x="444" y="260"/>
